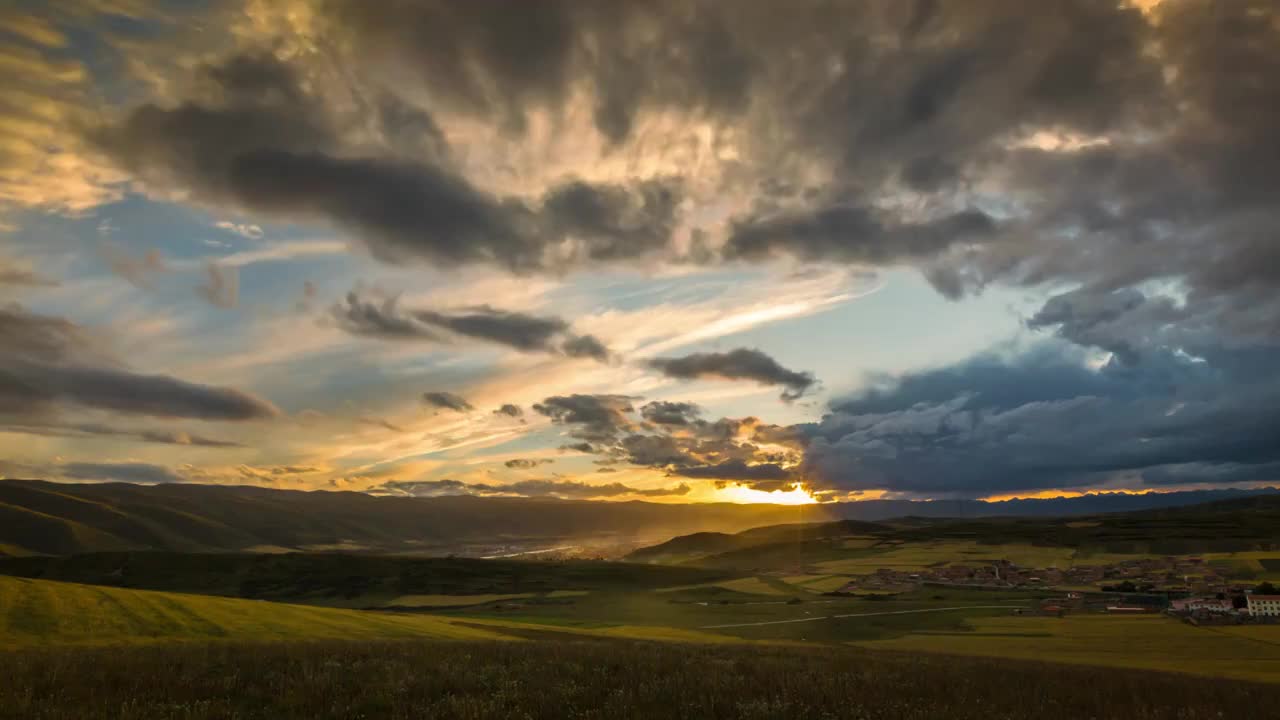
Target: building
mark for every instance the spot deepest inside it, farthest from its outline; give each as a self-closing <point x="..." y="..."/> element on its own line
<point x="1264" y="605"/>
<point x="1200" y="604"/>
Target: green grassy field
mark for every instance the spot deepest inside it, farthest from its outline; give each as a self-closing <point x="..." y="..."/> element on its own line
<point x="352" y="581"/>
<point x="611" y="653"/>
<point x="37" y="613"/>
<point x="556" y="677"/>
<point x="916" y="556"/>
<point x="427" y="601"/>
<point x="1150" y="642"/>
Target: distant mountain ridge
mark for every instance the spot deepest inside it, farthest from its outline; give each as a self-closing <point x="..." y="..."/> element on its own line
<point x="39" y="517"/>
<point x="1238" y="524"/>
<point x="1091" y="504"/>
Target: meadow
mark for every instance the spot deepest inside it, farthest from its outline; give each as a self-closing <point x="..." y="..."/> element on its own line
<point x="556" y="677"/>
<point x="1151" y="642"/>
<point x="725" y="648"/>
<point x="348" y="580"/>
<point x="38" y="613"/>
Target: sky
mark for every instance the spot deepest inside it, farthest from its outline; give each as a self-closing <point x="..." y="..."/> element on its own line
<point x="666" y="251"/>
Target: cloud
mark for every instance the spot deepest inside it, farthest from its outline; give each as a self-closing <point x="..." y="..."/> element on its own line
<point x="379" y="320"/>
<point x="585" y="346"/>
<point x="669" y="413"/>
<point x="244" y="230"/>
<point x="525" y="464"/>
<point x="274" y="473"/>
<point x="1046" y="419"/>
<point x="674" y="439"/>
<point x="255" y="140"/>
<point x="11" y="273"/>
<point x="569" y="489"/>
<point x="87" y="430"/>
<point x="1106" y="168"/>
<point x="520" y="331"/>
<point x="852" y="235"/>
<point x="740" y="364"/>
<point x="223" y="287"/>
<point x="120" y="472"/>
<point x="595" y="418"/>
<point x="382" y="423"/>
<point x="137" y="271"/>
<point x="738" y="470"/>
<point x="446" y="401"/>
<point x="48" y="362"/>
<point x="510" y="410"/>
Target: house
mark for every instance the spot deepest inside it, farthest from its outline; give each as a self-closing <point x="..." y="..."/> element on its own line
<point x="1264" y="605"/>
<point x="1195" y="604"/>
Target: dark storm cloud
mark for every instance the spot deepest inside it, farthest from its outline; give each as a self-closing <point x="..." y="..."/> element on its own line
<point x="1159" y="129"/>
<point x="1210" y="474"/>
<point x="852" y="235"/>
<point x="120" y="472"/>
<point x="523" y="332"/>
<point x="525" y="488"/>
<point x="740" y="364"/>
<point x="502" y="62"/>
<point x="510" y="410"/>
<point x="1044" y="419"/>
<point x="48" y="361"/>
<point x="418" y="212"/>
<point x="1131" y="158"/>
<point x="446" y="401"/>
<point x="256" y="140"/>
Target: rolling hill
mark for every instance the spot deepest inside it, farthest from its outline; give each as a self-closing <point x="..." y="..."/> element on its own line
<point x="40" y="613"/>
<point x="345" y="579"/>
<point x="39" y="517"/>
<point x="1226" y="526"/>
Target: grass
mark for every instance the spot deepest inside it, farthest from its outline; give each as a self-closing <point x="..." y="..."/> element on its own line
<point x="40" y="613"/>
<point x="701" y="608"/>
<point x="817" y="583"/>
<point x="746" y="585"/>
<point x="354" y="581"/>
<point x="1151" y="642"/>
<point x="423" y="601"/>
<point x="917" y="556"/>
<point x="586" y="679"/>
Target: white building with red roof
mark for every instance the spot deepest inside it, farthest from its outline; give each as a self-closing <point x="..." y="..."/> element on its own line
<point x="1264" y="605"/>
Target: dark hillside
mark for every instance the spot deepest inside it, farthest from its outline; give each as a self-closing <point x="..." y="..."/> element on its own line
<point x="329" y="578"/>
<point x="56" y="518"/>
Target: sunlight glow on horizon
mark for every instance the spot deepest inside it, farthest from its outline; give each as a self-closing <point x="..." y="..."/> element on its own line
<point x="740" y="494"/>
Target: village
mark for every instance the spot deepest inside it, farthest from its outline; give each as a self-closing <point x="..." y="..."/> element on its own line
<point x="1187" y="587"/>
